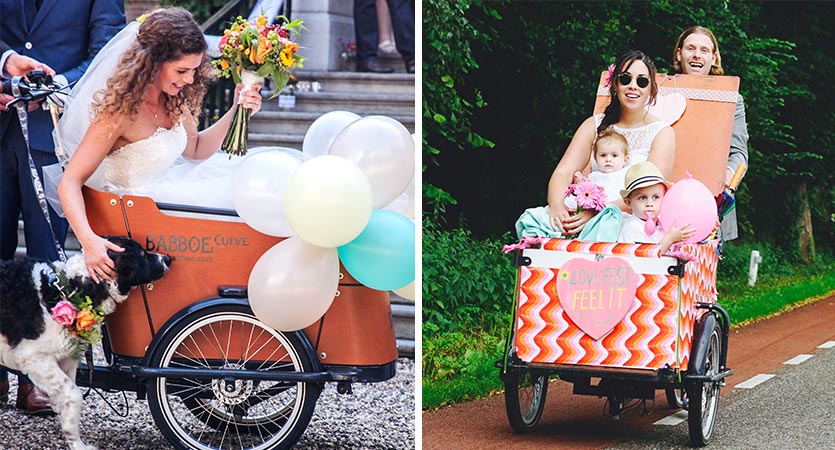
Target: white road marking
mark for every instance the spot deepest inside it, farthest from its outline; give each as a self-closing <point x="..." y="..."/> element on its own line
<point x="754" y="381"/>
<point x="827" y="344"/>
<point x="797" y="359"/>
<point x="673" y="419"/>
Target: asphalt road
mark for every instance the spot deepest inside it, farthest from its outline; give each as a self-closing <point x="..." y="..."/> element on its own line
<point x="792" y="410"/>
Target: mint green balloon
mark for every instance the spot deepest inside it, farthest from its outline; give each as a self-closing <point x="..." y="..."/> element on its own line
<point x="383" y="255"/>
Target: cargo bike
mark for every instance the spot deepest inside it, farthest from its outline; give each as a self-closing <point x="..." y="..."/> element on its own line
<point x="621" y="321"/>
<point x="214" y="376"/>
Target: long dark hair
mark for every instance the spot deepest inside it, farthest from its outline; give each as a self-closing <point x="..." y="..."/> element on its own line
<point x="612" y="112"/>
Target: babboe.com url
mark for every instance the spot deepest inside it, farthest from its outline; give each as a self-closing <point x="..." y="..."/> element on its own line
<point x="203" y="259"/>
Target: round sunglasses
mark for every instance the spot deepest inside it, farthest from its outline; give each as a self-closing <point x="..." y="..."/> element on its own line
<point x="625" y="78"/>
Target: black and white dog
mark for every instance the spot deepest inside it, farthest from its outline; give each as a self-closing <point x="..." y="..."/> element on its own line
<point x="35" y="344"/>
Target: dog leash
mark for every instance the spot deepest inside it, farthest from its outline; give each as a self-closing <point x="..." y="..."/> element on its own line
<point x="23" y="118"/>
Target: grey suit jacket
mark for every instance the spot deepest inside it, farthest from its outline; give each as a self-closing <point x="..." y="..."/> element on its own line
<point x="738" y="154"/>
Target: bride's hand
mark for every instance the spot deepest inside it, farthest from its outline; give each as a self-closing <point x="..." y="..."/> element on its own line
<point x="99" y="264"/>
<point x="250" y="98"/>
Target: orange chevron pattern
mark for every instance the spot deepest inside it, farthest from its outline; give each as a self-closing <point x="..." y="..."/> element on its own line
<point x="656" y="331"/>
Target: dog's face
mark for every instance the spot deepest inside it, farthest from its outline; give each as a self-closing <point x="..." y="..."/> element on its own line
<point x="135" y="265"/>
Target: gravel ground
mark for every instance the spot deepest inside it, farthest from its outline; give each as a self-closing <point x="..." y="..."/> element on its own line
<point x="375" y="416"/>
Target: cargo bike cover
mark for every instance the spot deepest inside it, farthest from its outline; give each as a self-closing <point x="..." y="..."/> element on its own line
<point x="622" y="305"/>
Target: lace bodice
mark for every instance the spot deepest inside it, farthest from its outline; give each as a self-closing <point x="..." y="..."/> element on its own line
<point x="144" y="162"/>
<point x="639" y="139"/>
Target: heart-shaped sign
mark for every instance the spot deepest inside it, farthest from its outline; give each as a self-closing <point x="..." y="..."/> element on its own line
<point x="596" y="295"/>
<point x="669" y="108"/>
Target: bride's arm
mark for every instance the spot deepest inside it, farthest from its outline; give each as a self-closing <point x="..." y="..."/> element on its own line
<point x="97" y="142"/>
<point x="205" y="143"/>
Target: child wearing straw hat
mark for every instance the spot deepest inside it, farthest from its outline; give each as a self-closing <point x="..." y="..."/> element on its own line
<point x="644" y="191"/>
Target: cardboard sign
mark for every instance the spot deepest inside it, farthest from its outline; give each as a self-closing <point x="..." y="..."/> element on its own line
<point x="596" y="295"/>
<point x="703" y="128"/>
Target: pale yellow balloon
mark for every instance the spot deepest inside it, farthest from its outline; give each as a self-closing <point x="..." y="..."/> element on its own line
<point x="407" y="291"/>
<point x="327" y="201"/>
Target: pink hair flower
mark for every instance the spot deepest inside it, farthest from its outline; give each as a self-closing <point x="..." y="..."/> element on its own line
<point x="611" y="73"/>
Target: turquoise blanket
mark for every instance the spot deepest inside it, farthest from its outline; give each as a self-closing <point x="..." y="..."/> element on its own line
<point x="603" y="227"/>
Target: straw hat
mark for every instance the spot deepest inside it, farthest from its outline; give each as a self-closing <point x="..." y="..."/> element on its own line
<point x="640" y="175"/>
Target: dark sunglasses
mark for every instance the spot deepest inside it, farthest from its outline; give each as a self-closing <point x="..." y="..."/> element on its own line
<point x="625" y="78"/>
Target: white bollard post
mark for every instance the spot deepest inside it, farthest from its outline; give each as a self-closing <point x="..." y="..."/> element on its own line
<point x="756" y="259"/>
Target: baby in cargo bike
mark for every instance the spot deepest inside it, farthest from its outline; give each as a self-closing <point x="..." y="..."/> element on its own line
<point x="601" y="302"/>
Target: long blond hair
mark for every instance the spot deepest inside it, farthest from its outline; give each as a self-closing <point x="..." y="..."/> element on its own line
<point x="165" y="35"/>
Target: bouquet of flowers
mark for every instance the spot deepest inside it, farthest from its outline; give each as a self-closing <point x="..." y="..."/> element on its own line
<point x="249" y="52"/>
<point x="78" y="315"/>
<point x="585" y="194"/>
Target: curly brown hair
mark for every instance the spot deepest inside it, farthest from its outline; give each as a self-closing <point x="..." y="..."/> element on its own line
<point x="165" y="35"/>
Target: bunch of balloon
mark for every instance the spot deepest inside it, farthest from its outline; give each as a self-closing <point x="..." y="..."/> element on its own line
<point x="322" y="198"/>
<point x="382" y="256"/>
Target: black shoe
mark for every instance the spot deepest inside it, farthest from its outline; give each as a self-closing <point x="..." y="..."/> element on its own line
<point x="372" y="65"/>
<point x="410" y="66"/>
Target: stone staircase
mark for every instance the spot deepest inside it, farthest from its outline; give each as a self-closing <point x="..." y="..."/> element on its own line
<point x="365" y="94"/>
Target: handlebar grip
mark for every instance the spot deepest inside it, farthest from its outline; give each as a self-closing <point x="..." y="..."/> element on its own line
<point x="737" y="177"/>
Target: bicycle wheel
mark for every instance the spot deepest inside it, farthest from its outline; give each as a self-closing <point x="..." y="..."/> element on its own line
<point x="676" y="398"/>
<point x="704" y="397"/>
<point x="524" y="398"/>
<point x="229" y="413"/>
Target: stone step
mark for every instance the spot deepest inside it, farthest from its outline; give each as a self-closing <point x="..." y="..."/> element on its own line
<point x="393" y="83"/>
<point x="360" y="103"/>
<point x="297" y="122"/>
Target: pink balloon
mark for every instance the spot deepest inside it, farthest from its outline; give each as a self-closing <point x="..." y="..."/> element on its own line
<point x="689" y="201"/>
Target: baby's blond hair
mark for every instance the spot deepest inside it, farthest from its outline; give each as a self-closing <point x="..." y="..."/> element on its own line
<point x="610" y="133"/>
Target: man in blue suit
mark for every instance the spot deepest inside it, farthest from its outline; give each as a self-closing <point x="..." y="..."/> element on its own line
<point x="64" y="36"/>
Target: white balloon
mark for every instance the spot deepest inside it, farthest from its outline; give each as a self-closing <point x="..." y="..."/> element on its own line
<point x="293" y="284"/>
<point x="407" y="291"/>
<point x="327" y="201"/>
<point x="383" y="148"/>
<point x="323" y="130"/>
<point x="258" y="189"/>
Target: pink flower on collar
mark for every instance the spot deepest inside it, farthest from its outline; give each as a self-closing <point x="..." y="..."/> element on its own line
<point x="64" y="313"/>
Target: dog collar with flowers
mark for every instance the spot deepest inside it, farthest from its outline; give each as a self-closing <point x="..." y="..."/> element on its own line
<point x="75" y="311"/>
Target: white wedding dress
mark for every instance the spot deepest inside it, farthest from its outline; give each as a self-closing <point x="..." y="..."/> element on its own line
<point x="154" y="167"/>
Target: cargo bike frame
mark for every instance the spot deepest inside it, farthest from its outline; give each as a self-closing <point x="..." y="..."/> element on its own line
<point x="214" y="376"/>
<point x="573" y="318"/>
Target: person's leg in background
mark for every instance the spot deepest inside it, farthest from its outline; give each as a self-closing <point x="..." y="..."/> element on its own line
<point x="17" y="195"/>
<point x="403" y="22"/>
<point x="367" y="36"/>
<point x="386" y="39"/>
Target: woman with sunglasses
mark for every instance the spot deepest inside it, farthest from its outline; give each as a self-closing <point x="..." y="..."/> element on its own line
<point x="631" y="89"/>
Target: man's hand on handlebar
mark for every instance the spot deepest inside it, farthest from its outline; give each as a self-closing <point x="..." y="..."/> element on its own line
<point x="18" y="65"/>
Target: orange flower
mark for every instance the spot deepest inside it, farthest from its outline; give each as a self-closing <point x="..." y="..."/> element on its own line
<point x="260" y="50"/>
<point x="224" y="64"/>
<point x="84" y="320"/>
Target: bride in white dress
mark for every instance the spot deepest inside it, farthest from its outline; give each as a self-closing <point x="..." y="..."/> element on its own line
<point x="131" y="126"/>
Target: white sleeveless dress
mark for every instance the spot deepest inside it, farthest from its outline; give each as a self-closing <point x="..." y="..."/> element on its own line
<point x="154" y="167"/>
<point x="639" y="139"/>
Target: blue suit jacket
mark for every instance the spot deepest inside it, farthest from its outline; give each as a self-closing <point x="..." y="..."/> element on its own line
<point x="64" y="35"/>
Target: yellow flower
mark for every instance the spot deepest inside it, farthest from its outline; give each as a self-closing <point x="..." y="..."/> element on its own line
<point x="85" y="320"/>
<point x="262" y="21"/>
<point x="286" y="58"/>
